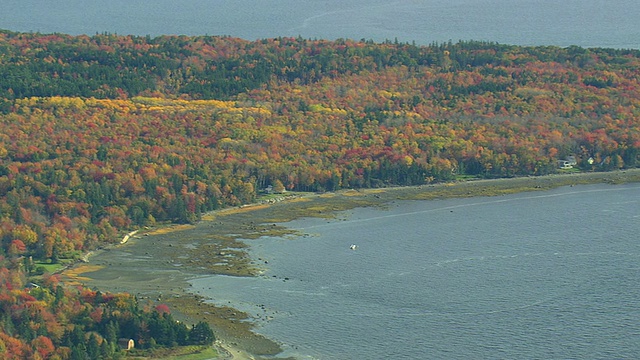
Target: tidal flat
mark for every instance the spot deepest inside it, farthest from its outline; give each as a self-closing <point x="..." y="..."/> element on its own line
<point x="156" y="264"/>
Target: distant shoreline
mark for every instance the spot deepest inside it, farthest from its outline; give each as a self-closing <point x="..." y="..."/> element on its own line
<point x="423" y="22"/>
<point x="156" y="268"/>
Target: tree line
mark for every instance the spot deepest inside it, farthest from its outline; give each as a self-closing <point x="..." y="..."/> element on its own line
<point x="52" y="321"/>
<point x="104" y="134"/>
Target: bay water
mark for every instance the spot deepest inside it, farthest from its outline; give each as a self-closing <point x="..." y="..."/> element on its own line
<point x="586" y="23"/>
<point x="542" y="275"/>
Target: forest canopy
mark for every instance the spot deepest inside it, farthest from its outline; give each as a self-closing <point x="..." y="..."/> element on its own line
<point x="103" y="134"/>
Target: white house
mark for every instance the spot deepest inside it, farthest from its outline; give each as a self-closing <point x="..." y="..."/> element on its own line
<point x="564" y="164"/>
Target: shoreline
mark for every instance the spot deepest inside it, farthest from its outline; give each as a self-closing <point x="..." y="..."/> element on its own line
<point x="157" y="267"/>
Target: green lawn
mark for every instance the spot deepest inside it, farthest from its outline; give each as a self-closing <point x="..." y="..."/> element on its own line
<point x="466" y="177"/>
<point x="50" y="268"/>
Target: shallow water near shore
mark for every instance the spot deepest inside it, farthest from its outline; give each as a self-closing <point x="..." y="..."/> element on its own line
<point x="549" y="274"/>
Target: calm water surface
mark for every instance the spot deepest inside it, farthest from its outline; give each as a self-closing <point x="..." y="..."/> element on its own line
<point x="587" y="23"/>
<point x="549" y="275"/>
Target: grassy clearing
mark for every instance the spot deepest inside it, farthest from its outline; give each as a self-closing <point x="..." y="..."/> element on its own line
<point x="170" y="229"/>
<point x="74" y="274"/>
<point x="466" y="177"/>
<point x="242" y="209"/>
<point x="49" y="267"/>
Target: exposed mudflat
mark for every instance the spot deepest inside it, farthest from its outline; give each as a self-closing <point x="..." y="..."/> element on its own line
<point x="155" y="265"/>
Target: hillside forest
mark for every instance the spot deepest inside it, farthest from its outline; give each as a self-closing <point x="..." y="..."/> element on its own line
<point x="104" y="134"/>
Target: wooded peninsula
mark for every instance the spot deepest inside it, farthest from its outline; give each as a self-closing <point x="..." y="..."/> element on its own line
<point x="106" y="134"/>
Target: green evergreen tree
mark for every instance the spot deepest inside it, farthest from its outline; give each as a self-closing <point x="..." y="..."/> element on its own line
<point x="201" y="334"/>
<point x="106" y="350"/>
<point x="111" y="332"/>
<point x="79" y="352"/>
<point x="181" y="333"/>
<point x="93" y="349"/>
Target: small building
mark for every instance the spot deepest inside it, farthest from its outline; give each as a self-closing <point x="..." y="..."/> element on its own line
<point x="126" y="344"/>
<point x="568" y="163"/>
<point x="572" y="160"/>
<point x="30" y="286"/>
<point x="564" y="164"/>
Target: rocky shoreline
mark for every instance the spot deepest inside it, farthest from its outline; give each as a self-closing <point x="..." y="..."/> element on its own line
<point x="156" y="267"/>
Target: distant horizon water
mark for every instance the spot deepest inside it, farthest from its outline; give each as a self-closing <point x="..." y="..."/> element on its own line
<point x="585" y="23"/>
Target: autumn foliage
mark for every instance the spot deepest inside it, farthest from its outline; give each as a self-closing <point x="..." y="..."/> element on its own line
<point x="56" y="322"/>
<point x="108" y="133"/>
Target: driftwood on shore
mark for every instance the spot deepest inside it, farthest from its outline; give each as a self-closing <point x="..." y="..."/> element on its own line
<point x="127" y="237"/>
